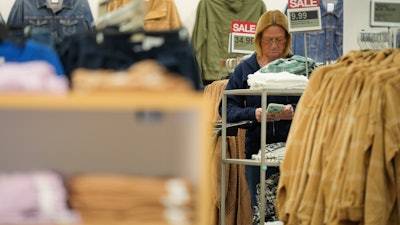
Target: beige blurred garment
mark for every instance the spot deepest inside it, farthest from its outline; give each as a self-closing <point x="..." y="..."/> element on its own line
<point x="128" y="198"/>
<point x="160" y="14"/>
<point x="146" y="75"/>
<point x="341" y="164"/>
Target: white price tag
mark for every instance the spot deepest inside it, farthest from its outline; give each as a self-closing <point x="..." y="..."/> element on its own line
<point x="304" y="15"/>
<point x="304" y="19"/>
<point x="330" y="6"/>
<point x="241" y="38"/>
<point x="242" y="43"/>
<point x="385" y="13"/>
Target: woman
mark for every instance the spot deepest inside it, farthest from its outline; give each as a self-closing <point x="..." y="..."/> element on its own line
<point x="272" y="41"/>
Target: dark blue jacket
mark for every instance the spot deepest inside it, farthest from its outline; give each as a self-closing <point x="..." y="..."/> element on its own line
<point x="243" y="108"/>
<point x="74" y="16"/>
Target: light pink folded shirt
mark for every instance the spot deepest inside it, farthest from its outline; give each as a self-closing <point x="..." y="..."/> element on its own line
<point x="31" y="77"/>
<point x="34" y="197"/>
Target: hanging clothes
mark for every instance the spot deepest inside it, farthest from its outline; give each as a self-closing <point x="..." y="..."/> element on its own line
<point x="341" y="163"/>
<point x="110" y="49"/>
<point x="325" y="45"/>
<point x="56" y="19"/>
<point x="237" y="199"/>
<point x="30" y="51"/>
<point x="211" y="30"/>
<point x="115" y="4"/>
<point x="160" y="14"/>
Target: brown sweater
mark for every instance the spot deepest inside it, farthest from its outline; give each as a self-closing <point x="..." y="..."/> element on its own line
<point x="159" y="15"/>
<point x="237" y="199"/>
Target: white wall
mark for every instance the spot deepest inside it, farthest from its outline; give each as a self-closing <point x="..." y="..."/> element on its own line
<point x="5" y="7"/>
<point x="356" y="18"/>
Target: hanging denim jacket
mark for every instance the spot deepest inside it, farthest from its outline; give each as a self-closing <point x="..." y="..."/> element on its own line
<point x="325" y="45"/>
<point x="73" y="16"/>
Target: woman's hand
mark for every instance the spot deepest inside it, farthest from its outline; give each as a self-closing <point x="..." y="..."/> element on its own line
<point x="270" y="117"/>
<point x="286" y="114"/>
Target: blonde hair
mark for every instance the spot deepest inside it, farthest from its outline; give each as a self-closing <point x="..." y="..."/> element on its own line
<point x="272" y="17"/>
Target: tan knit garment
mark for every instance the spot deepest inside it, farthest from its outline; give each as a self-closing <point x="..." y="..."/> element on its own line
<point x="146" y="75"/>
<point x="341" y="164"/>
<point x="237" y="199"/>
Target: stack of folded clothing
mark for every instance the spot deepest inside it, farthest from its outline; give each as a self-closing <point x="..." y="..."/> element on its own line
<point x="274" y="152"/>
<point x="131" y="199"/>
<point x="34" y="197"/>
<point x="296" y="64"/>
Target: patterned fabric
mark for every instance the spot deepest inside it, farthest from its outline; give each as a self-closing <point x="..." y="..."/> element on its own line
<point x="271" y="186"/>
<point x="274" y="152"/>
<point x="296" y="64"/>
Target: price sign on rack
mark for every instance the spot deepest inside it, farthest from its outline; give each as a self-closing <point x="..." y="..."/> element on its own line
<point x="304" y="15"/>
<point x="241" y="37"/>
<point x="385" y="13"/>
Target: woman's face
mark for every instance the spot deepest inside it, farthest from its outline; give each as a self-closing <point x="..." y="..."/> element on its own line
<point x="273" y="42"/>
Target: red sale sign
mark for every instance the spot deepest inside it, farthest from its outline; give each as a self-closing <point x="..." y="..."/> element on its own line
<point x="243" y="27"/>
<point x="298" y="4"/>
<point x="241" y="38"/>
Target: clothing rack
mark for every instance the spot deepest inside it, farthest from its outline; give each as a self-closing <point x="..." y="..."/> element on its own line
<point x="263" y="164"/>
<point x="375" y="40"/>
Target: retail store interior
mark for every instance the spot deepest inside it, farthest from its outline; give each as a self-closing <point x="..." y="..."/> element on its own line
<point x="128" y="112"/>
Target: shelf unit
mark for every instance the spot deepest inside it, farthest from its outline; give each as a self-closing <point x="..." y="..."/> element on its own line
<point x="143" y="133"/>
<point x="262" y="163"/>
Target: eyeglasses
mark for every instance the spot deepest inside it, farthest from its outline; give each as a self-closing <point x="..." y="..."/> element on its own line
<point x="269" y="41"/>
